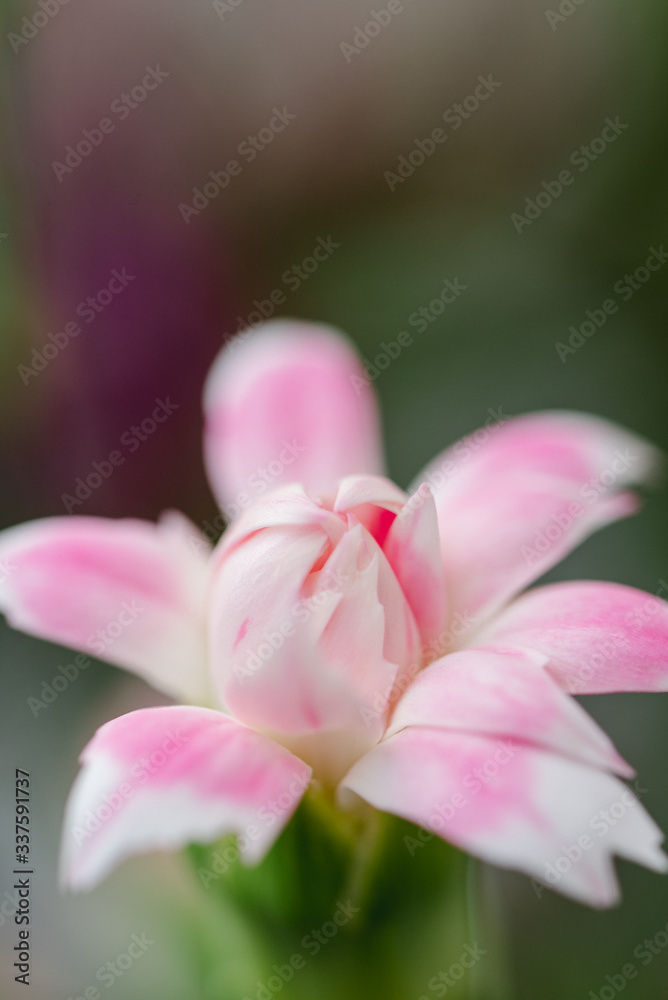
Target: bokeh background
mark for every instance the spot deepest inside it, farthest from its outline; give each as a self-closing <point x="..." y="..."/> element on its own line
<point x="560" y="71"/>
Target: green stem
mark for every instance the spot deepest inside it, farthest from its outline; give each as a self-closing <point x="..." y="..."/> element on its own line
<point x="350" y="907"/>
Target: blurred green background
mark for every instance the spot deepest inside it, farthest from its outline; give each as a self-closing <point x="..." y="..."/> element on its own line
<point x="495" y="346"/>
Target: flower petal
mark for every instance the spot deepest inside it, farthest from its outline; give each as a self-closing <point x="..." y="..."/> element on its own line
<point x="413" y="551"/>
<point x="288" y="505"/>
<point x="598" y="637"/>
<point x="515" y="497"/>
<point x="306" y="638"/>
<point x="513" y="805"/>
<point x="166" y="777"/>
<point x="129" y="591"/>
<point x="282" y="406"/>
<point x="505" y="693"/>
<point x="355" y="491"/>
<point x="262" y="625"/>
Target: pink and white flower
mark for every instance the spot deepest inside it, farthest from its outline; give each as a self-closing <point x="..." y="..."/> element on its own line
<point x="345" y="631"/>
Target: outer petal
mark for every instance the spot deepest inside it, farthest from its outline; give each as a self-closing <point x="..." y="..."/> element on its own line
<point x="286" y="400"/>
<point x="513" y="805"/>
<point x="413" y="552"/>
<point x="515" y="497"/>
<point x="129" y="591"/>
<point x="598" y="637"/>
<point x="505" y="693"/>
<point x="165" y="777"/>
